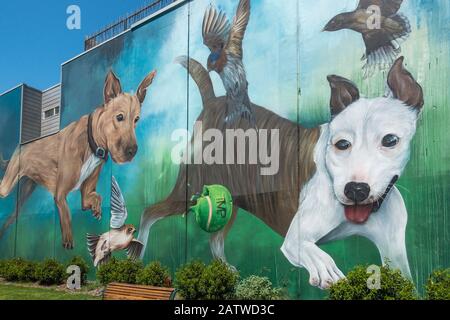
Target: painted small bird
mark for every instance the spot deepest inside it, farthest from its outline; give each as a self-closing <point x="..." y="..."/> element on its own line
<point x="121" y="235"/>
<point x="383" y="30"/>
<point x="225" y="43"/>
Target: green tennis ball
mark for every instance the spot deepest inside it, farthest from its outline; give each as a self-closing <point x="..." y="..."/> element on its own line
<point x="214" y="208"/>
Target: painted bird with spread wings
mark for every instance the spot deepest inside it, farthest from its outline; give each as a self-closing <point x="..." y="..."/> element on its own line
<point x="121" y="235"/>
<point x="224" y="40"/>
<point x="383" y="41"/>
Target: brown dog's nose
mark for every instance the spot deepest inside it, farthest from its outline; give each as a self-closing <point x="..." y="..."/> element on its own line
<point x="131" y="151"/>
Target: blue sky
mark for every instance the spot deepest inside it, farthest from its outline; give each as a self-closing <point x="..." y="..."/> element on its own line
<point x="35" y="39"/>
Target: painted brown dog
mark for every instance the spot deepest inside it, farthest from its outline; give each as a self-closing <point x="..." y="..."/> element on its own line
<point x="272" y="198"/>
<point x="57" y="162"/>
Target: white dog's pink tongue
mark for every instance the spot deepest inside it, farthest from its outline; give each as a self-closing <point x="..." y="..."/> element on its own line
<point x="358" y="213"/>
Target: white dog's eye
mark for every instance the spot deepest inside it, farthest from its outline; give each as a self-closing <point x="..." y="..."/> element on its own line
<point x="343" y="145"/>
<point x="119" y="117"/>
<point x="390" y="141"/>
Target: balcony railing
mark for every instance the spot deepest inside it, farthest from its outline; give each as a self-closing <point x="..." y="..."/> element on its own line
<point x="124" y="23"/>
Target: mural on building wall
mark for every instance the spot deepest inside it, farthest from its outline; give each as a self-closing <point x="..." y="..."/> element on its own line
<point x="346" y="174"/>
<point x="73" y="158"/>
<point x="10" y="108"/>
<point x="346" y="163"/>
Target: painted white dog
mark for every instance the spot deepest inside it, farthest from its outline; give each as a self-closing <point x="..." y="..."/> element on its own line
<point x="359" y="157"/>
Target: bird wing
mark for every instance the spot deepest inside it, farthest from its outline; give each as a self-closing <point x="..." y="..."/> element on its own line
<point x="376" y="39"/>
<point x="387" y="7"/>
<point x="119" y="212"/>
<point x="104" y="260"/>
<point x="92" y="241"/>
<point x="396" y="29"/>
<point x="215" y="29"/>
<point x="381" y="51"/>
<point x="134" y="249"/>
<point x="234" y="45"/>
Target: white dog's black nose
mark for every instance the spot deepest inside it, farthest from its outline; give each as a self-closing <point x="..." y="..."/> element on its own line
<point x="357" y="192"/>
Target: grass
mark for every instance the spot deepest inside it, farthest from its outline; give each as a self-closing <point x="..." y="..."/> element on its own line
<point x="21" y="292"/>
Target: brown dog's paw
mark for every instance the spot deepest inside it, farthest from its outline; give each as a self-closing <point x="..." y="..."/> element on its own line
<point x="97" y="207"/>
<point x="68" y="243"/>
<point x="97" y="214"/>
<point x="94" y="203"/>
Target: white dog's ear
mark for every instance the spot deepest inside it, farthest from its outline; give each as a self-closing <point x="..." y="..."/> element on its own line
<point x="343" y="93"/>
<point x="112" y="87"/>
<point x="142" y="89"/>
<point x="404" y="87"/>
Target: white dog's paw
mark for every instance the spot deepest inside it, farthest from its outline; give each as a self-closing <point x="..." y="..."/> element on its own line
<point x="323" y="272"/>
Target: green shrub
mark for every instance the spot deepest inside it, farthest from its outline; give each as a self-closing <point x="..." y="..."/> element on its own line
<point x="438" y="285"/>
<point x="154" y="274"/>
<point x="187" y="280"/>
<point x="11" y="269"/>
<point x="3" y="265"/>
<point x="19" y="269"/>
<point x="258" y="288"/>
<point x="393" y="286"/>
<point x="219" y="281"/>
<point x="196" y="281"/>
<point x="27" y="271"/>
<point x="124" y="271"/>
<point x="81" y="263"/>
<point x="50" y="272"/>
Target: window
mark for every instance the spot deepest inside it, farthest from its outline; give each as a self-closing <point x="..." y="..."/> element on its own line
<point x="51" y="112"/>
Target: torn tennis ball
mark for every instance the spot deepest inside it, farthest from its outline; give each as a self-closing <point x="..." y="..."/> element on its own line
<point x="212" y="208"/>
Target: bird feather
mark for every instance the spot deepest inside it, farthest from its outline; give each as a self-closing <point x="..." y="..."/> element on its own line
<point x="387" y="7"/>
<point x="119" y="212"/>
<point x="92" y="241"/>
<point x="134" y="249"/>
<point x="234" y="45"/>
<point x="105" y="259"/>
<point x="216" y="28"/>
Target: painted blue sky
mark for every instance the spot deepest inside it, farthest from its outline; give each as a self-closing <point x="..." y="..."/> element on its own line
<point x="35" y="39"/>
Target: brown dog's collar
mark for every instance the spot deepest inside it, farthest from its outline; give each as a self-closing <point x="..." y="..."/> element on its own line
<point x="99" y="152"/>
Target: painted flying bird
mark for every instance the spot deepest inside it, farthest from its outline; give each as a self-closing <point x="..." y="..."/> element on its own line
<point x="121" y="235"/>
<point x="382" y="42"/>
<point x="225" y="42"/>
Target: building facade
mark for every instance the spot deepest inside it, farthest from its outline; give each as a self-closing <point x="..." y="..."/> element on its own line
<point x="287" y="58"/>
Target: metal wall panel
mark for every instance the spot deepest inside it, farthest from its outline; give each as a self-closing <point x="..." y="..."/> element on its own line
<point x="31" y="114"/>
<point x="51" y="99"/>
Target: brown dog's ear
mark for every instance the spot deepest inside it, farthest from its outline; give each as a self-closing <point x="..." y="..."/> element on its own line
<point x="112" y="87"/>
<point x="142" y="90"/>
<point x="343" y="93"/>
<point x="404" y="87"/>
